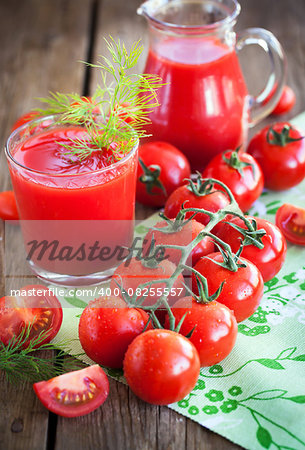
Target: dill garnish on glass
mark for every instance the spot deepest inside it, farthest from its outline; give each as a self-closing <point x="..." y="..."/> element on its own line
<point x="117" y="113"/>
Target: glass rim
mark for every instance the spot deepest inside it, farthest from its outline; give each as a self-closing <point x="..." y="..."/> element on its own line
<point x="11" y="158"/>
<point x="144" y="11"/>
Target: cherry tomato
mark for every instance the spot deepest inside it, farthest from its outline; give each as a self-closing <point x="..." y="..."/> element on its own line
<point x="25" y="118"/>
<point x="242" y="290"/>
<point x="291" y="221"/>
<point x="241" y="173"/>
<point x="286" y="102"/>
<point x="161" y="366"/>
<point x="8" y="206"/>
<point x="199" y="194"/>
<point x="36" y="305"/>
<point x="74" y="394"/>
<point x="215" y="328"/>
<point x="269" y="259"/>
<point x="161" y="169"/>
<point x="106" y="328"/>
<point x="131" y="273"/>
<point x="123" y="112"/>
<point x="183" y="236"/>
<point x="280" y="152"/>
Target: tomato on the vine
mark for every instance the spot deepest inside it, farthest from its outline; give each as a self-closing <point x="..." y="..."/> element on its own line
<point x="106" y="328"/>
<point x="200" y="194"/>
<point x="161" y="169"/>
<point x="241" y="173"/>
<point x="286" y="101"/>
<point x="161" y="366"/>
<point x="36" y="306"/>
<point x="214" y="325"/>
<point x="8" y="206"/>
<point x="291" y="221"/>
<point x="242" y="290"/>
<point x="268" y="259"/>
<point x="280" y="152"/>
<point x="133" y="272"/>
<point x="183" y="235"/>
<point x="74" y="394"/>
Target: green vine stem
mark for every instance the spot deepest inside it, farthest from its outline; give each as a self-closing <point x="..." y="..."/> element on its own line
<point x="232" y="208"/>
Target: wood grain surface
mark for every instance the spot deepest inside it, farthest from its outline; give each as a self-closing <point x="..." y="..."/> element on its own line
<point x="41" y="42"/>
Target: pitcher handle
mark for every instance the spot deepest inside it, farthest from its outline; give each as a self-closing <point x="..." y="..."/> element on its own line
<point x="265" y="102"/>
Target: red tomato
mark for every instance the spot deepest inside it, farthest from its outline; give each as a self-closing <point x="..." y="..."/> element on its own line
<point x="161" y="366"/>
<point x="286" y="102"/>
<point x="291" y="221"/>
<point x="166" y="169"/>
<point x="35" y="305"/>
<point x="183" y="236"/>
<point x="241" y="173"/>
<point x="280" y="152"/>
<point x="106" y="328"/>
<point x="86" y="99"/>
<point x="131" y="273"/>
<point x="8" y="206"/>
<point x="242" y="290"/>
<point x="25" y="118"/>
<point x="196" y="195"/>
<point x="74" y="394"/>
<point x="215" y="326"/>
<point x="270" y="259"/>
<point x="123" y="112"/>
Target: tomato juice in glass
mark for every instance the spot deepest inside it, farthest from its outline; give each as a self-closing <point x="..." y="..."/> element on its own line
<point x="70" y="209"/>
<point x="205" y="107"/>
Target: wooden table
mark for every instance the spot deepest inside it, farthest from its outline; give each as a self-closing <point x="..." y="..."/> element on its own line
<point x="41" y="42"/>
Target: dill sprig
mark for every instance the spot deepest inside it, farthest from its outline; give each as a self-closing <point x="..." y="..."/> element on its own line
<point x="131" y="96"/>
<point x="20" y="363"/>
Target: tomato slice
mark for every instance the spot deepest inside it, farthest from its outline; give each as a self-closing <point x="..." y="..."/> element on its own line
<point x="8" y="206"/>
<point x="35" y="305"/>
<point x="291" y="221"/>
<point x="74" y="394"/>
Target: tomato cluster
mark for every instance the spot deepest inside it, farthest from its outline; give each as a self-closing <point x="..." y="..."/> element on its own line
<point x="179" y="312"/>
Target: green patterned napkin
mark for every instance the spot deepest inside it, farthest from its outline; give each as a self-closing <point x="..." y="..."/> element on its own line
<point x="256" y="396"/>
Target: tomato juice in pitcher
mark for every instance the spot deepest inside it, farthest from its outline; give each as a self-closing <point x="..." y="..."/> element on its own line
<point x="205" y="107"/>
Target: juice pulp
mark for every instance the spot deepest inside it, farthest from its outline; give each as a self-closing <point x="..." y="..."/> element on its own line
<point x="203" y="108"/>
<point x="60" y="188"/>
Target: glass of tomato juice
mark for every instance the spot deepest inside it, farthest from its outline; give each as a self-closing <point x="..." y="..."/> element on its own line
<point x="76" y="215"/>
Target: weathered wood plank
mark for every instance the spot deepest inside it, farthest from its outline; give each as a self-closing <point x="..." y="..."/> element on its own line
<point x="41" y="42"/>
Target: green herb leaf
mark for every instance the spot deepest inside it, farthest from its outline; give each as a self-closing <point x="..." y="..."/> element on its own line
<point x="25" y="364"/>
<point x="127" y="96"/>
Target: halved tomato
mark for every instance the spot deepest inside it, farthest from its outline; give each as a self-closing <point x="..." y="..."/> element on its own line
<point x="34" y="304"/>
<point x="75" y="393"/>
<point x="291" y="221"/>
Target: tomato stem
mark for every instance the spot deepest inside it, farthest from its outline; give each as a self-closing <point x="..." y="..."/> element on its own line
<point x="236" y="163"/>
<point x="281" y="138"/>
<point x="151" y="177"/>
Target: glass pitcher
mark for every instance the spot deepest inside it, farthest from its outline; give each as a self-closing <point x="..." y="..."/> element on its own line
<point x="205" y="107"/>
